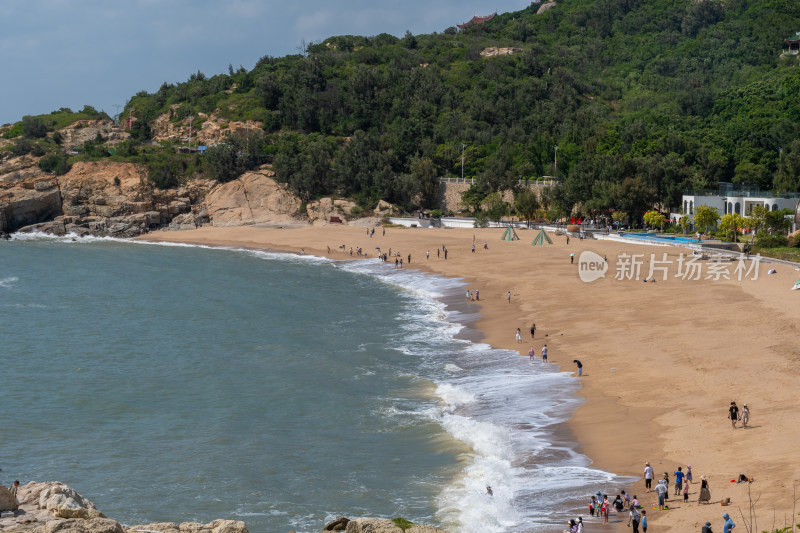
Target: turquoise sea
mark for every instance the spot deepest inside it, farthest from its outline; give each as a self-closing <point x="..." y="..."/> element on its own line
<point x="179" y="383"/>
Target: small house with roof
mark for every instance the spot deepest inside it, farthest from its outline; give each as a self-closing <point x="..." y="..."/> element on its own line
<point x="477" y="20"/>
<point x="792" y="44"/>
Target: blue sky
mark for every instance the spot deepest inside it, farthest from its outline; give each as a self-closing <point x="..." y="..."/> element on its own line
<point x="68" y="53"/>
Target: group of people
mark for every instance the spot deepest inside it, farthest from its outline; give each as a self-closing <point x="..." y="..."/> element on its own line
<point x="735" y="415"/>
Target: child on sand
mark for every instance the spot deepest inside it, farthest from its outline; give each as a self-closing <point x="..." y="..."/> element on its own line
<point x="685" y="491"/>
<point x="531" y="354"/>
<point x="644" y="521"/>
<point x="519" y="336"/>
<point x="689" y="473"/>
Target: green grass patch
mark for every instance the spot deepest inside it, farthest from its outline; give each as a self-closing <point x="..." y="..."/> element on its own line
<point x="402" y="523"/>
<point x="784" y="252"/>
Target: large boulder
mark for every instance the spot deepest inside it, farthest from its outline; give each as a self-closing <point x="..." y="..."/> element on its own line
<point x="377" y="525"/>
<point x="253" y="198"/>
<point x="7" y="502"/>
<point x="217" y="526"/>
<point x="53" y="496"/>
<point x="321" y="211"/>
<point x="73" y="525"/>
<point x="105" y="189"/>
<point x="21" y="206"/>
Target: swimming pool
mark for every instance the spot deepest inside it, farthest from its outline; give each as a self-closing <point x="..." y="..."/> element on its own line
<point x="661" y="238"/>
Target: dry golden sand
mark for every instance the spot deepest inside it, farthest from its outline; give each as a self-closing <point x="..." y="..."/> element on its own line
<point x="662" y="361"/>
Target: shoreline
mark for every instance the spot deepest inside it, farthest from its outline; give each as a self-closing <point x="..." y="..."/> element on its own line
<point x="642" y="380"/>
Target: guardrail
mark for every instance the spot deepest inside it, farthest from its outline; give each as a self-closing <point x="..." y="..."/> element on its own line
<point x="521" y="183"/>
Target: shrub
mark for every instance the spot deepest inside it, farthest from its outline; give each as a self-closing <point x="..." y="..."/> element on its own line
<point x="55" y="162"/>
<point x="765" y="240"/>
<point x="33" y="127"/>
<point x="22" y="146"/>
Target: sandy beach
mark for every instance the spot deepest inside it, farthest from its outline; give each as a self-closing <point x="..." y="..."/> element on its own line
<point x="661" y="361"/>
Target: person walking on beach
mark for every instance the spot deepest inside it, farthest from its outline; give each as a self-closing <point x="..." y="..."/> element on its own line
<point x="689" y="473"/>
<point x="648" y="476"/>
<point x="662" y="489"/>
<point x="437" y="253"/>
<point x="678" y="481"/>
<point x="533" y="330"/>
<point x="580" y="367"/>
<point x="14" y="489"/>
<point x="427" y="254"/>
<point x="544" y="353"/>
<point x="728" y="526"/>
<point x="644" y="521"/>
<point x="519" y="336"/>
<point x="685" y="491"/>
<point x="508" y="295"/>
<point x="705" y="493"/>
<point x="733" y="414"/>
<point x="633" y="519"/>
<point x="745" y="416"/>
<point x="409" y="259"/>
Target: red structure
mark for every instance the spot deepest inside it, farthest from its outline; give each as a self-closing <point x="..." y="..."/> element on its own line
<point x="792" y="43"/>
<point x="477" y="20"/>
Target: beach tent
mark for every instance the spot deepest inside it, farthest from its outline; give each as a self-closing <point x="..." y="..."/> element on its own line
<point x="509" y="234"/>
<point x="541" y="238"/>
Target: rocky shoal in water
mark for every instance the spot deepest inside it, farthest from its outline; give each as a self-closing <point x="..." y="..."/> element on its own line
<point x="52" y="507"/>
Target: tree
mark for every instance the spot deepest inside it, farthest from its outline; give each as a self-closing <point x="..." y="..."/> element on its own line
<point x="526" y="203"/>
<point x="731" y="224"/>
<point x="472" y="198"/>
<point x="705" y="217"/>
<point x="653" y="219"/>
<point x="495" y="206"/>
<point x="33" y="127"/>
<point x="223" y="161"/>
<point x="424" y="173"/>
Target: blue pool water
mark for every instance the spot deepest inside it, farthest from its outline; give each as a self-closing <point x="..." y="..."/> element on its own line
<point x="662" y="238"/>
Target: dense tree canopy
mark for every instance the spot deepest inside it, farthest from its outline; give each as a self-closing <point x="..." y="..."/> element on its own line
<point x="643" y="100"/>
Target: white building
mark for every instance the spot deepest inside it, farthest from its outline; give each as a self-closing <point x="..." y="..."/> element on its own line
<point x="735" y="198"/>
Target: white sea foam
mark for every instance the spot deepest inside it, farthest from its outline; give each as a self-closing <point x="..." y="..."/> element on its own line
<point x="7" y="283"/>
<point x="504" y="408"/>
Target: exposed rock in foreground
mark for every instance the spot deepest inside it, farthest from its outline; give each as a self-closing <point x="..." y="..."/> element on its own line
<point x="53" y="507"/>
<point x="375" y="525"/>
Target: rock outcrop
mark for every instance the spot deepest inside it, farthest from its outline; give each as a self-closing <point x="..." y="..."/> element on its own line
<point x="321" y="211"/>
<point x="254" y="198"/>
<point x="494" y="51"/>
<point x="217" y="526"/>
<point x="377" y="525"/>
<point x="81" y="131"/>
<point x="117" y="199"/>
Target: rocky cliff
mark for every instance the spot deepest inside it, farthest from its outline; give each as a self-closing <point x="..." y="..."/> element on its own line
<point x="116" y="199"/>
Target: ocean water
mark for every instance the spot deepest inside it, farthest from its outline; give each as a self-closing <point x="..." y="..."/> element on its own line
<point x="178" y="383"/>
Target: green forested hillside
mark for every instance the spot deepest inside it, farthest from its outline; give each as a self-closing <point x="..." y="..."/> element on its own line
<point x="644" y="98"/>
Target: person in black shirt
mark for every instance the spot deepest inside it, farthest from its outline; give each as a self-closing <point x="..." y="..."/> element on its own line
<point x="733" y="414"/>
